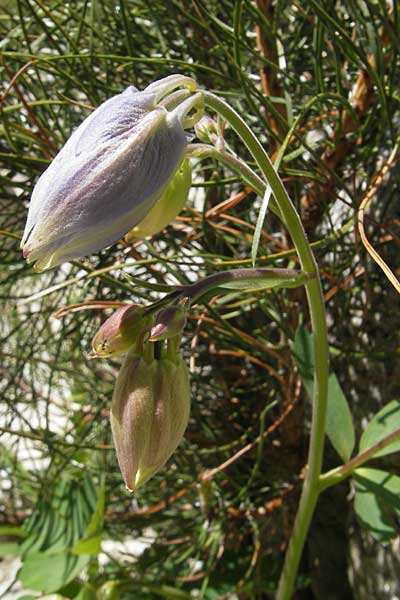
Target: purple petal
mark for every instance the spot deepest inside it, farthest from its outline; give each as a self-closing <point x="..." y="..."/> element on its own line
<point x="104" y="180"/>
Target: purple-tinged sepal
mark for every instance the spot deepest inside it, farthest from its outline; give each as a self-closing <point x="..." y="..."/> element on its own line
<point x="121" y="331"/>
<point x="110" y="173"/>
<point x="170" y="322"/>
<point x="149" y="413"/>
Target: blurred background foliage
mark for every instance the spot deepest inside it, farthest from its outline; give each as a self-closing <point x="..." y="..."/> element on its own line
<point x="215" y="521"/>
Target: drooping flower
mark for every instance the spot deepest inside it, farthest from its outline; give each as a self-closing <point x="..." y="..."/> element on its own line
<point x="149" y="414"/>
<point x="110" y="173"/>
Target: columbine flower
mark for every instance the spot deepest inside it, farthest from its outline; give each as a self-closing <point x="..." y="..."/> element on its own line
<point x="149" y="414"/>
<point x="110" y="173"/>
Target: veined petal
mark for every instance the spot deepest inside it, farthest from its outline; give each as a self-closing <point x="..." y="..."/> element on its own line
<point x="171" y="392"/>
<point x="105" y="180"/>
<point x="149" y="414"/>
<point x="95" y="197"/>
<point x="119" y="114"/>
<point x="131" y="415"/>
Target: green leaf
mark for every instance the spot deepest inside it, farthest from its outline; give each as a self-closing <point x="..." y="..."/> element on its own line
<point x="71" y="516"/>
<point x="9" y="549"/>
<point x="339" y="422"/>
<point x="377" y="502"/>
<point x="48" y="572"/>
<point x="385" y="422"/>
<point x="169" y="592"/>
<point x="90" y="545"/>
<point x="91" y="542"/>
<point x="71" y="589"/>
<point x="38" y="528"/>
<point x="97" y="521"/>
<point x="272" y="278"/>
<point x="304" y="355"/>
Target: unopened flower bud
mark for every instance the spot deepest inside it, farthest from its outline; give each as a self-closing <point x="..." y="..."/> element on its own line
<point x="149" y="414"/>
<point x="167" y="207"/>
<point x="206" y="130"/>
<point x="120" y="331"/>
<point x="170" y="321"/>
<point x="109" y="174"/>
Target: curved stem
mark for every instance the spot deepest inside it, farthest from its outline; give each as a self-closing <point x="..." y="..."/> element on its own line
<point x="247" y="277"/>
<point x="292" y="221"/>
<point x="237" y="166"/>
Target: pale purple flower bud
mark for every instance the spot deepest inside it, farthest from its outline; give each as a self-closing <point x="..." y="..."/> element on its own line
<point x="108" y="175"/>
<point x="170" y="322"/>
<point x="120" y="332"/>
<point x="149" y="414"/>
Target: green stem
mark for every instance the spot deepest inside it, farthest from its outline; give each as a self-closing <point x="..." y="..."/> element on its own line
<point x="250" y="277"/>
<point x="290" y="278"/>
<point x="337" y="475"/>
<point x="292" y="221"/>
<point x="237" y="166"/>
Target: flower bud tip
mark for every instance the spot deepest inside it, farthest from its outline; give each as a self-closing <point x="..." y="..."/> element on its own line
<point x="120" y="332"/>
<point x="170" y="322"/>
